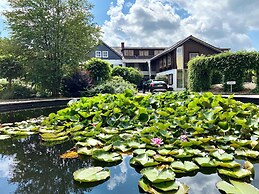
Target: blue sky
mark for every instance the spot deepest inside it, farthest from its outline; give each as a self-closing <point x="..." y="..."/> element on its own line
<point x="224" y="23"/>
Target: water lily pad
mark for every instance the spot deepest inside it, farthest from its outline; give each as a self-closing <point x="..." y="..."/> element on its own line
<point x="167" y="186"/>
<point x="239" y="173"/>
<point x="158" y="175"/>
<point x="227" y="164"/>
<point x="145" y="160"/>
<point x="160" y="158"/>
<point x="185" y="166"/>
<point x="106" y="156"/>
<point x="119" y="145"/>
<point x="92" y="174"/>
<point x="205" y="162"/>
<point x="2" y="137"/>
<point x="222" y="155"/>
<point x="139" y="151"/>
<point x="247" y="153"/>
<point x="85" y="151"/>
<point x="134" y="144"/>
<point x="149" y="188"/>
<point x="236" y="187"/>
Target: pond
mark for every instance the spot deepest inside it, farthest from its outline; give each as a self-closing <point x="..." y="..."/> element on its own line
<point x="27" y="166"/>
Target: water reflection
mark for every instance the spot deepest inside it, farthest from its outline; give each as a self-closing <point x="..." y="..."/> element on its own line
<point x="38" y="169"/>
<point x="121" y="177"/>
<point x="26" y="166"/>
<point x="201" y="183"/>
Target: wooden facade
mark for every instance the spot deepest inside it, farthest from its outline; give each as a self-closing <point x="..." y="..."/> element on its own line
<point x="174" y="65"/>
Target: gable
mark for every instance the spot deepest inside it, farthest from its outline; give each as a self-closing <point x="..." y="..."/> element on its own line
<point x="112" y="54"/>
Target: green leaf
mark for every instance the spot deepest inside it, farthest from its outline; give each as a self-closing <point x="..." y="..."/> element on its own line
<point x="222" y="155"/>
<point x="145" y="160"/>
<point x="2" y="137"/>
<point x="232" y="164"/>
<point x="158" y="175"/>
<point x="85" y="151"/>
<point x="160" y="158"/>
<point x="185" y="166"/>
<point x="239" y="173"/>
<point x="92" y="174"/>
<point x="119" y="145"/>
<point x="106" y="156"/>
<point x="237" y="187"/>
<point x="205" y="162"/>
<point x="247" y="153"/>
<point x="167" y="186"/>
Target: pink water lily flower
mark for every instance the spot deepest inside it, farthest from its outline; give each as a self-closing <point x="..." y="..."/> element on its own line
<point x="157" y="141"/>
<point x="183" y="138"/>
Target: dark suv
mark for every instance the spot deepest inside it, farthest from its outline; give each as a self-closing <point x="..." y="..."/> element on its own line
<point x="157" y="86"/>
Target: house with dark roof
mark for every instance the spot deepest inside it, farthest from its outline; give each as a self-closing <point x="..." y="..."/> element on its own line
<point x="139" y="57"/>
<point x="152" y="61"/>
<point x="173" y="61"/>
<point x="107" y="53"/>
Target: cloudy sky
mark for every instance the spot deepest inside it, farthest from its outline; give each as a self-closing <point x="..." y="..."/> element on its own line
<point x="223" y="23"/>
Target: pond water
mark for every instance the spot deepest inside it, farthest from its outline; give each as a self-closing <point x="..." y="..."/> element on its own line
<point x="27" y="166"/>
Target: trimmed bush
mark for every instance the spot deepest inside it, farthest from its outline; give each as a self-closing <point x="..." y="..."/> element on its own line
<point x="232" y="65"/>
<point x="99" y="69"/>
<point x="129" y="74"/>
<point x="114" y="86"/>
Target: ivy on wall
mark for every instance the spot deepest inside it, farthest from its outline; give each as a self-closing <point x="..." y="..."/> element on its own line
<point x="231" y="65"/>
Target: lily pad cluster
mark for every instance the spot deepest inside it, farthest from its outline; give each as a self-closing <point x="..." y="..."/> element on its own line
<point x="168" y="133"/>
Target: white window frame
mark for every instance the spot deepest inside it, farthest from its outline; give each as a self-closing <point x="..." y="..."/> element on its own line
<point x="105" y="54"/>
<point x="98" y="54"/>
<point x="193" y="55"/>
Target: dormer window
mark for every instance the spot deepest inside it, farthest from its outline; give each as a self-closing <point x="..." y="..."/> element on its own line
<point x="98" y="54"/>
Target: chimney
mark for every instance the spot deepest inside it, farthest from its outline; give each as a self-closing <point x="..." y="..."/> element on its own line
<point x="122" y="46"/>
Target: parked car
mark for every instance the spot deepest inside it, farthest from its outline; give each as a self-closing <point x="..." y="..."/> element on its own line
<point x="157" y="86"/>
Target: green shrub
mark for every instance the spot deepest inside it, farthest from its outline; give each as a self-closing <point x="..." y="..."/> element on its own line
<point x="17" y="92"/>
<point x="129" y="74"/>
<point x="114" y="86"/>
<point x="99" y="69"/>
<point x="216" y="77"/>
<point x="232" y="66"/>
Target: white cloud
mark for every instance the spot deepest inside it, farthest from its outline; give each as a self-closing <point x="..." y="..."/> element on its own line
<point x="4" y="5"/>
<point x="223" y="23"/>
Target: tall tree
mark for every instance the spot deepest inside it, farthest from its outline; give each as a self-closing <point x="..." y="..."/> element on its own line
<point x="52" y="34"/>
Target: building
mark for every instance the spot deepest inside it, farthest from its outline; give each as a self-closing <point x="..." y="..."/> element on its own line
<point x="139" y="57"/>
<point x="152" y="61"/>
<point x="173" y="61"/>
<point x="107" y="53"/>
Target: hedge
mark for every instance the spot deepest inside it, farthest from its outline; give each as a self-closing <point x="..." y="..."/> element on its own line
<point x="232" y="66"/>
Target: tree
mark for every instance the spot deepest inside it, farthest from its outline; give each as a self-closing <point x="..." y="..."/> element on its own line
<point x="10" y="68"/>
<point x="99" y="70"/>
<point x="52" y="34"/>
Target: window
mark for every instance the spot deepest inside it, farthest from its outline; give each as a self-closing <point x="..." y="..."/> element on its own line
<point x="156" y="52"/>
<point x="143" y="53"/>
<point x="143" y="66"/>
<point x="169" y="59"/>
<point x="105" y="54"/>
<point x="193" y="55"/>
<point x="128" y="53"/>
<point x="98" y="54"/>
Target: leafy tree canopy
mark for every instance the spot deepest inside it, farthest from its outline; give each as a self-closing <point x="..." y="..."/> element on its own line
<point x="52" y="33"/>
